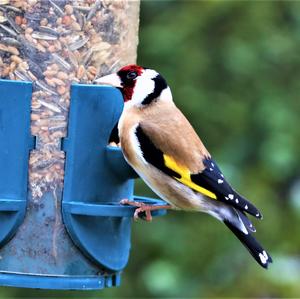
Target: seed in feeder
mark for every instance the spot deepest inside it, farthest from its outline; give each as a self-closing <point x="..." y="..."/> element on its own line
<point x="16" y="59"/>
<point x="30" y="39"/>
<point x="43" y="36"/>
<point x="10" y="41"/>
<point x="44" y="22"/>
<point x="75" y="26"/>
<point x="13" y="50"/>
<point x="58" y="81"/>
<point x="50" y="82"/>
<point x="92" y="70"/>
<point x="61" y="90"/>
<point x="80" y="72"/>
<point x="8" y="30"/>
<point x="61" y="62"/>
<point x="32" y="76"/>
<point x="18" y="20"/>
<point x="90" y="76"/>
<point x="35" y="117"/>
<point x="56" y="8"/>
<point x="51" y="49"/>
<point x="41" y="48"/>
<point x="18" y="75"/>
<point x="62" y="76"/>
<point x="32" y="2"/>
<point x="78" y="44"/>
<point x="69" y="9"/>
<point x="54" y="67"/>
<point x="67" y="20"/>
<point x="59" y="21"/>
<point x="50" y="73"/>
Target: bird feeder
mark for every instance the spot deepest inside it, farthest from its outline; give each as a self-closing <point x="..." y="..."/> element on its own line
<point x="62" y="226"/>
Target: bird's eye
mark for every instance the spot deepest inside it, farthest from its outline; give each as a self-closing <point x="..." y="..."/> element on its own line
<point x="131" y="75"/>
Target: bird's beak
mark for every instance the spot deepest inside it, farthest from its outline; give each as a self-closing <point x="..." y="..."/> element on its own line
<point x="112" y="80"/>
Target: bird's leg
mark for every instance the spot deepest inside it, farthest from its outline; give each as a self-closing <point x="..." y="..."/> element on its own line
<point x="142" y="207"/>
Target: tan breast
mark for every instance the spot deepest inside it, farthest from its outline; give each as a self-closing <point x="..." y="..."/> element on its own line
<point x="168" y="129"/>
<point x="128" y="121"/>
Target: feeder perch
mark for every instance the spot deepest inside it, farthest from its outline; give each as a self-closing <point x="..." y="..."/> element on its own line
<point x="78" y="236"/>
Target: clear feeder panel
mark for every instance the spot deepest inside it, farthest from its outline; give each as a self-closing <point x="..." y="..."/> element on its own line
<point x="54" y="43"/>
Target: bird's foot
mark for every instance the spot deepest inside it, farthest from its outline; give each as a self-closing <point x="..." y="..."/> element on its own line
<point x="143" y="208"/>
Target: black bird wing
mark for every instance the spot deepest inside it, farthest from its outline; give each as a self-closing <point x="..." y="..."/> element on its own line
<point x="210" y="182"/>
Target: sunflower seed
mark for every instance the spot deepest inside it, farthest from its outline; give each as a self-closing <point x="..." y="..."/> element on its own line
<point x="13" y="8"/>
<point x="22" y="76"/>
<point x="87" y="56"/>
<point x="4" y="2"/>
<point x="84" y="9"/>
<point x="73" y="60"/>
<point x="43" y="36"/>
<point x="44" y="87"/>
<point x="13" y="24"/>
<point x="8" y="30"/>
<point x="9" y="41"/>
<point x="62" y="62"/>
<point x="50" y="106"/>
<point x="57" y="8"/>
<point x="93" y="10"/>
<point x="48" y="30"/>
<point x="78" y="44"/>
<point x="3" y="19"/>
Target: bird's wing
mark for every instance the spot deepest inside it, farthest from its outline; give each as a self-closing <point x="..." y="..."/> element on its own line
<point x="209" y="182"/>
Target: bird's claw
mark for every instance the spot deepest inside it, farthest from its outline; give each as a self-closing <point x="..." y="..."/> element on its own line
<point x="144" y="208"/>
<point x="140" y="208"/>
<point x="124" y="201"/>
<point x="147" y="217"/>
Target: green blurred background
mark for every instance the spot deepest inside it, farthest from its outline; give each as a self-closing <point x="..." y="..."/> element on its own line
<point x="234" y="69"/>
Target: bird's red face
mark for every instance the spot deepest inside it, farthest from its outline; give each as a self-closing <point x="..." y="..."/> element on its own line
<point x="125" y="79"/>
<point x="139" y="86"/>
<point x="128" y="76"/>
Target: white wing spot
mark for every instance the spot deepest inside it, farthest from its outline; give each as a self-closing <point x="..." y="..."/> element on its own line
<point x="263" y="259"/>
<point x="257" y="215"/>
<point x="220" y="181"/>
<point x="237" y="200"/>
<point x="246" y="207"/>
<point x="226" y="198"/>
<point x="212" y="164"/>
<point x="231" y="196"/>
<point x="211" y="169"/>
<point x="222" y="176"/>
<point x="265" y="255"/>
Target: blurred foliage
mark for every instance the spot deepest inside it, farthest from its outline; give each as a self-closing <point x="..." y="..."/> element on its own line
<point x="234" y="69"/>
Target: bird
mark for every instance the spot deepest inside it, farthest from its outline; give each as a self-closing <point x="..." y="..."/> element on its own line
<point x="160" y="144"/>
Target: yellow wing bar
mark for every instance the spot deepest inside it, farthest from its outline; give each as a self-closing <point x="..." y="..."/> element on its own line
<point x="186" y="177"/>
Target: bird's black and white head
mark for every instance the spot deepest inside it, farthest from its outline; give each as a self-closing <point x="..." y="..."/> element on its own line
<point x="139" y="86"/>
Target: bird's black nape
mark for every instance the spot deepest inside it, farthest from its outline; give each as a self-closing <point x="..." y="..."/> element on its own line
<point x="159" y="85"/>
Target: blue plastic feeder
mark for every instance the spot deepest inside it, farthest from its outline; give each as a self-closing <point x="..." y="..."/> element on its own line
<point x="78" y="236"/>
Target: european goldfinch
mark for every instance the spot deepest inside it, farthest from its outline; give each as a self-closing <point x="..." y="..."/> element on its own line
<point x="163" y="148"/>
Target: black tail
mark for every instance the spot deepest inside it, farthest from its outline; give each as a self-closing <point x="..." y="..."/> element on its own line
<point x="260" y="255"/>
